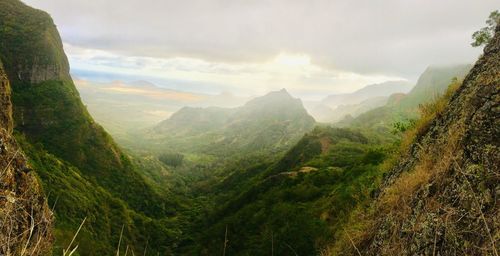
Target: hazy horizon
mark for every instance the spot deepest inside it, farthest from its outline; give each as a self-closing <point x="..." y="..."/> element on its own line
<point x="312" y="49"/>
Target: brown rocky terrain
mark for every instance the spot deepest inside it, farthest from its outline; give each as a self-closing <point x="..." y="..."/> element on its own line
<point x="442" y="197"/>
<point x="25" y="219"/>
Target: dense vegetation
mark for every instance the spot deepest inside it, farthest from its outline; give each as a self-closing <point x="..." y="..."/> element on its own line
<point x="254" y="180"/>
<point x="81" y="168"/>
<point x="430" y="86"/>
<point x="273" y="122"/>
<point x="295" y="204"/>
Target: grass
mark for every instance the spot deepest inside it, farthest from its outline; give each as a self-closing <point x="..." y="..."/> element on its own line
<point x="393" y="201"/>
<point x="25" y="220"/>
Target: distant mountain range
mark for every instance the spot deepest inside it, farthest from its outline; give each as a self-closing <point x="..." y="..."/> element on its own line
<point x="273" y="121"/>
<point x="254" y="178"/>
<point x="121" y="107"/>
<point x="430" y="86"/>
<point x="336" y="106"/>
<point x="148" y="104"/>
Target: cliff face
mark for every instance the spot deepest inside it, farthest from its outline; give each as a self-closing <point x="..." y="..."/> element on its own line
<point x="77" y="162"/>
<point x="47" y="108"/>
<point x="5" y="103"/>
<point x="25" y="219"/>
<point x="442" y="198"/>
<point x="35" y="52"/>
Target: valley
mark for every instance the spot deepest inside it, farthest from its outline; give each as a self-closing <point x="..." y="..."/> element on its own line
<point x="135" y="168"/>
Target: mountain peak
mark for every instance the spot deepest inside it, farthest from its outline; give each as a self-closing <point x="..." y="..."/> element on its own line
<point x="284" y="91"/>
<point x="274" y="96"/>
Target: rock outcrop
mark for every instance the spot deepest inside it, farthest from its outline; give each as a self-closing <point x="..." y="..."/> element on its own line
<point x="32" y="52"/>
<point x="5" y="103"/>
<point x="25" y="219"/>
<point x="442" y="198"/>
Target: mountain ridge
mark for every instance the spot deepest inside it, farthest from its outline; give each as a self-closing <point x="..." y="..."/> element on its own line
<point x="23" y="202"/>
<point x="276" y="116"/>
<point x="78" y="163"/>
<point x="439" y="196"/>
<point x="327" y="110"/>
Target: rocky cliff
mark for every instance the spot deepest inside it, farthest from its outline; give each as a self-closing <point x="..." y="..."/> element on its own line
<point x="77" y="162"/>
<point x="25" y="219"/>
<point x="35" y="53"/>
<point x="47" y="108"/>
<point x="5" y="103"/>
<point x="442" y="197"/>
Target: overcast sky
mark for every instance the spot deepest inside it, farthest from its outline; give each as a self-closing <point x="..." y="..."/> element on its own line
<point x="311" y="47"/>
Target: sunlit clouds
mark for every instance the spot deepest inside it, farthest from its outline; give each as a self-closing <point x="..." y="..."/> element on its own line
<point x="249" y="47"/>
<point x="294" y="71"/>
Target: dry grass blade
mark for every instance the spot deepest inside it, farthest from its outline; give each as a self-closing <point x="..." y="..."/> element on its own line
<point x="9" y="163"/>
<point x="73" y="251"/>
<point x="120" y="241"/>
<point x="225" y="243"/>
<point x="352" y="242"/>
<point x="476" y="200"/>
<point x="32" y="227"/>
<point x="67" y="252"/>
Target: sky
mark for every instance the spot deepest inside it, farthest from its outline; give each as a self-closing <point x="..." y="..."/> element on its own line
<point x="248" y="47"/>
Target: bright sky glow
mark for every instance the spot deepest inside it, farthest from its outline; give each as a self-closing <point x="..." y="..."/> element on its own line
<point x="295" y="72"/>
<point x="313" y="48"/>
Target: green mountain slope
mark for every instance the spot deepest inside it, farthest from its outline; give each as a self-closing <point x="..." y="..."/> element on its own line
<point x="297" y="202"/>
<point x="302" y="201"/>
<point x="22" y="200"/>
<point x="440" y="196"/>
<point x="65" y="143"/>
<point x="190" y="121"/>
<point x="399" y="107"/>
<point x="335" y="107"/>
<point x="367" y="92"/>
<point x="271" y="122"/>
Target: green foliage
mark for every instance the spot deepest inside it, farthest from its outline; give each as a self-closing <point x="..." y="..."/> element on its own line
<point x="249" y="170"/>
<point x="172" y="159"/>
<point x="403" y="126"/>
<point x="401" y="109"/>
<point x="74" y="198"/>
<point x="484" y="35"/>
<point x="296" y="202"/>
<point x="271" y="123"/>
<point x="29" y="40"/>
<point x="77" y="161"/>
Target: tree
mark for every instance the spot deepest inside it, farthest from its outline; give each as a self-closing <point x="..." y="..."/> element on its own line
<point x="484" y="35"/>
<point x="172" y="159"/>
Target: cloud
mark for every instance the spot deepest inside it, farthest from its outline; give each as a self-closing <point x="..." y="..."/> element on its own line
<point x="286" y="70"/>
<point x="219" y="40"/>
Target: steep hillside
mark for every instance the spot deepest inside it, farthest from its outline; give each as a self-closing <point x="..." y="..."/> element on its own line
<point x="354" y="110"/>
<point x="25" y="218"/>
<point x="399" y="107"/>
<point x="432" y="83"/>
<point x="297" y="203"/>
<point x="370" y="91"/>
<point x="271" y="122"/>
<point x="335" y="107"/>
<point x="47" y="107"/>
<point x="190" y="121"/>
<point x="441" y="197"/>
<point x="124" y="107"/>
<point x="78" y="162"/>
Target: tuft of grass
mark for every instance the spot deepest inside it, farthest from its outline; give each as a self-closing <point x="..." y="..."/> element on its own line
<point x="362" y="223"/>
<point x="428" y="112"/>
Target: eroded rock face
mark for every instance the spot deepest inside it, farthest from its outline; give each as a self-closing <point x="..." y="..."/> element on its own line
<point x="455" y="212"/>
<point x="25" y="219"/>
<point x="40" y="72"/>
<point x="5" y="103"/>
<point x="31" y="48"/>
